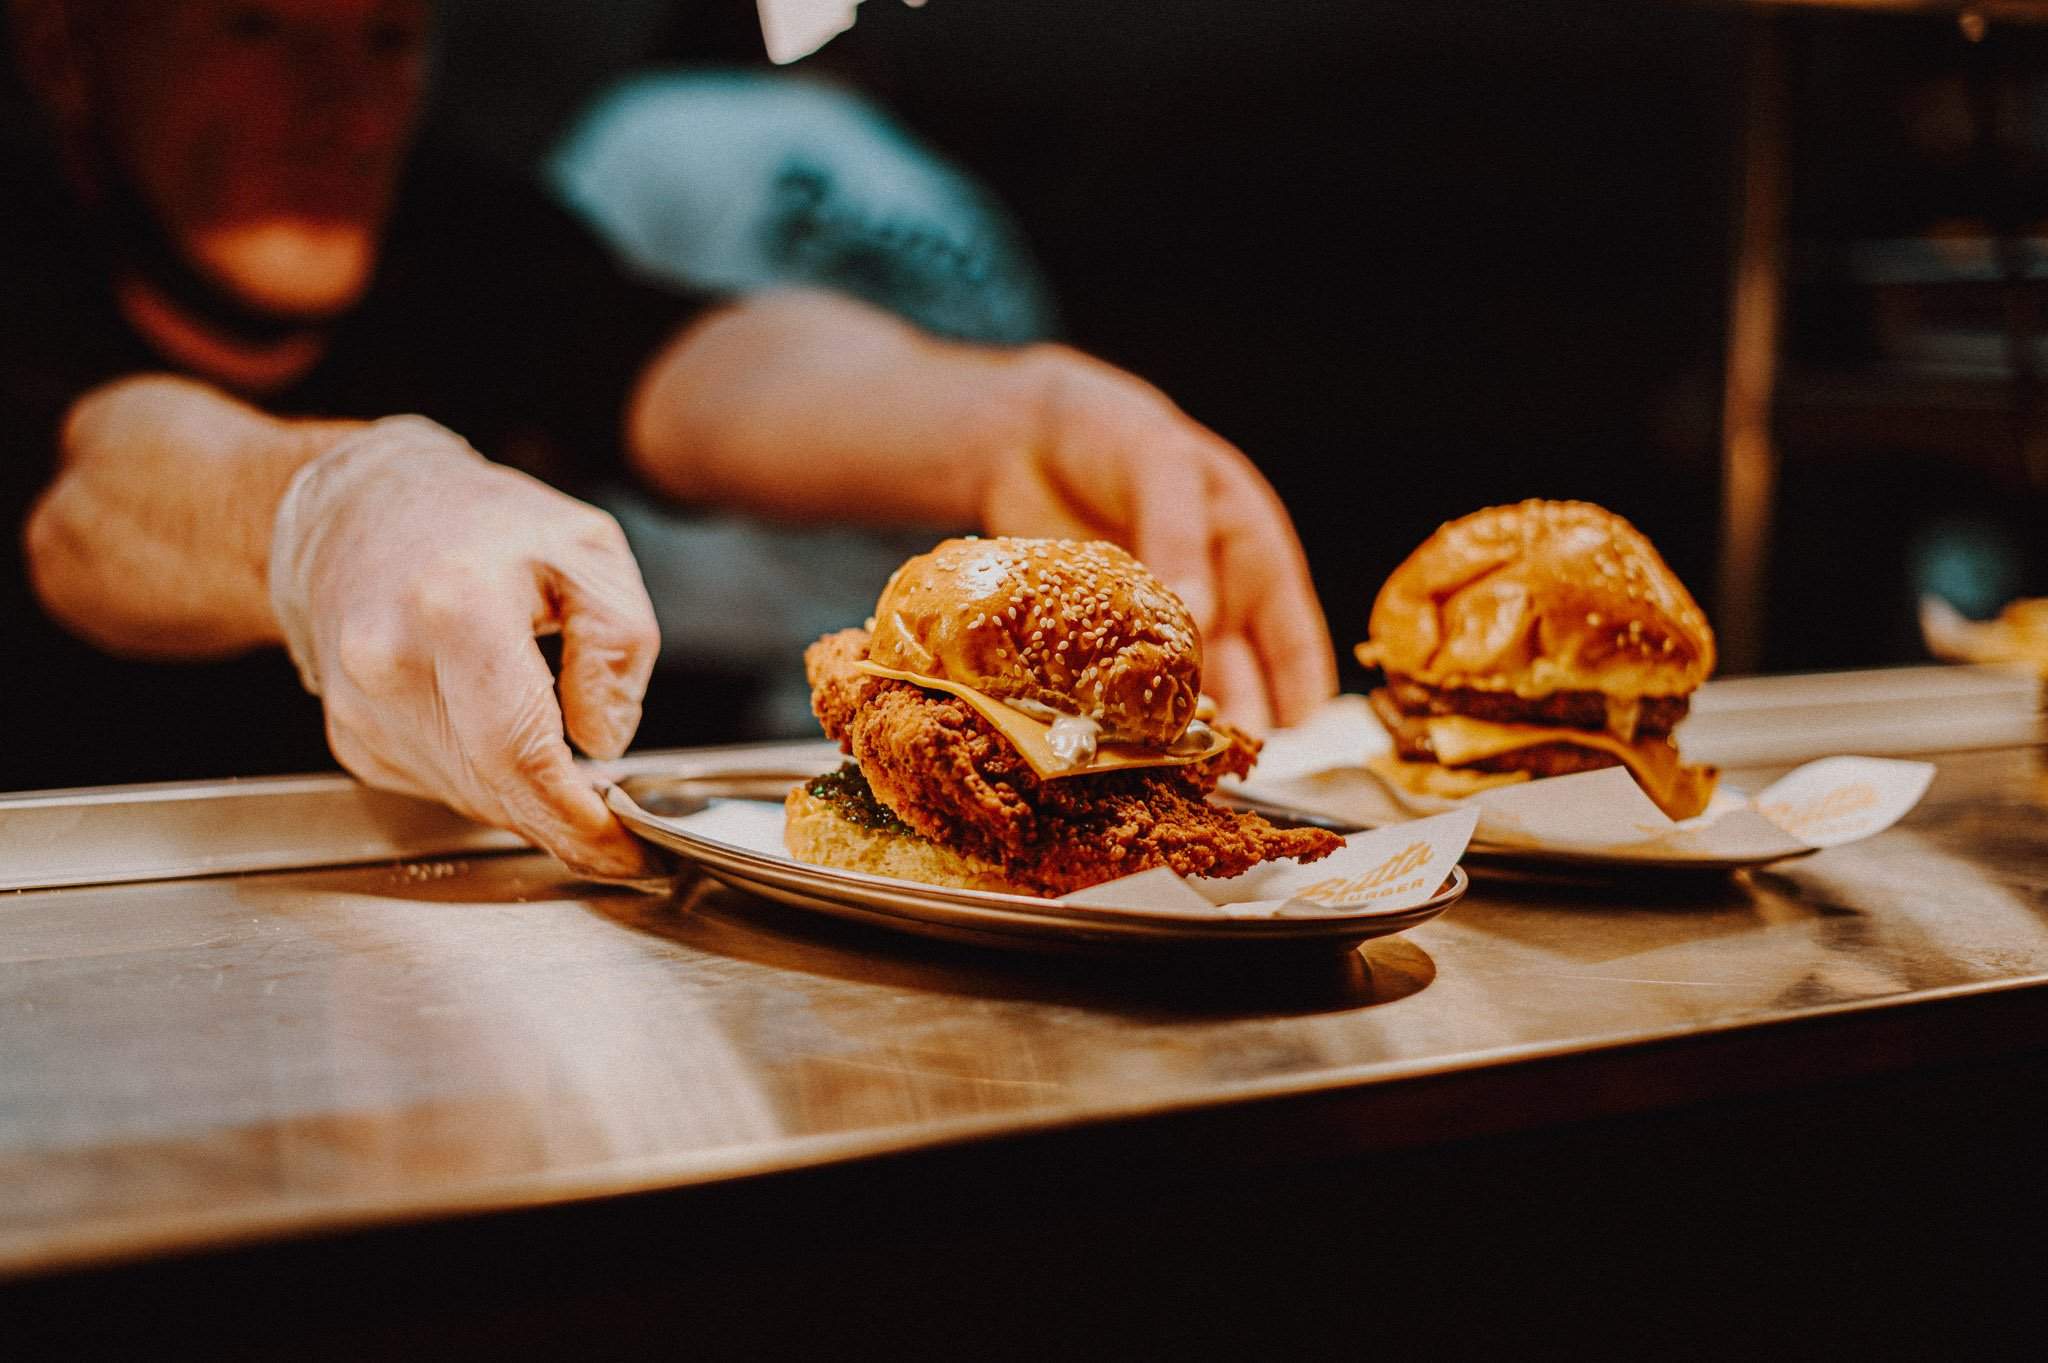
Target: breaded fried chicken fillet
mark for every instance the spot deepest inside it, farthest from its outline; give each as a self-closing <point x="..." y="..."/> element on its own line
<point x="949" y="775"/>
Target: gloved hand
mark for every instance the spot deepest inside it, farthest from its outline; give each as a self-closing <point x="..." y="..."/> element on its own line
<point x="410" y="577"/>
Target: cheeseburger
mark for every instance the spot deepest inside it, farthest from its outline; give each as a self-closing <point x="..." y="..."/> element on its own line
<point x="1537" y="640"/>
<point x="1026" y="716"/>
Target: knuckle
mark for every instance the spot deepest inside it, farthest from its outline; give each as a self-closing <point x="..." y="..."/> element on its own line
<point x="536" y="813"/>
<point x="373" y="660"/>
<point x="580" y="528"/>
<point x="445" y="591"/>
<point x="342" y="741"/>
<point x="613" y="618"/>
<point x="533" y="769"/>
<point x="599" y="529"/>
<point x="639" y="634"/>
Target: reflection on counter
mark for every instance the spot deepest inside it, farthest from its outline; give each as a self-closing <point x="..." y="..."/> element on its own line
<point x="201" y="1059"/>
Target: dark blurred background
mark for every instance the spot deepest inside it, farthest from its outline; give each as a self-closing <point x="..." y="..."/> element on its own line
<point x="1417" y="259"/>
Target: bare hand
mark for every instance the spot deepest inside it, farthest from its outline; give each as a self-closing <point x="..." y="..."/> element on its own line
<point x="1114" y="459"/>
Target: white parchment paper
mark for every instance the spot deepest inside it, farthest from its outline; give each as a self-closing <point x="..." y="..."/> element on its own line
<point x="1318" y="767"/>
<point x="1383" y="871"/>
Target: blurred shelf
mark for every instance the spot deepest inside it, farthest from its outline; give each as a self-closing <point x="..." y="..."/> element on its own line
<point x="1740" y="721"/>
<point x="2005" y="11"/>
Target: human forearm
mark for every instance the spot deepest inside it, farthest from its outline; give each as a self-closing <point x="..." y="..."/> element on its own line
<point x="408" y="575"/>
<point x="809" y="406"/>
<point x="154" y="537"/>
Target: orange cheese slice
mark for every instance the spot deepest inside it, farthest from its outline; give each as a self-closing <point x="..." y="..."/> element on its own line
<point x="1029" y="736"/>
<point x="1679" y="790"/>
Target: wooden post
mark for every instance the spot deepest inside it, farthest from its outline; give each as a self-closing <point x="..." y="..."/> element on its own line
<point x="1748" y="455"/>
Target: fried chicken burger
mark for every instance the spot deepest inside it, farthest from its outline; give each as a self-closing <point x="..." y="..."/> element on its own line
<point x="1023" y="716"/>
<point x="1535" y="640"/>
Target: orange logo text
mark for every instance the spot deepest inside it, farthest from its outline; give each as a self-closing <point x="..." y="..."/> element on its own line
<point x="1350" y="889"/>
<point x="1839" y="803"/>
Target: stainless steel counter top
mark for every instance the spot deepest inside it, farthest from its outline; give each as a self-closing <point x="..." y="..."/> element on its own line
<point x="204" y="1060"/>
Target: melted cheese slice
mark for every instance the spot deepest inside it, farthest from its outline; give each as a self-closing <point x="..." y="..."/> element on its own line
<point x="1679" y="790"/>
<point x="1029" y="736"/>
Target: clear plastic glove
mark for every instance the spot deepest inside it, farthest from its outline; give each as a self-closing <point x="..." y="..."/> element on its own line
<point x="410" y="578"/>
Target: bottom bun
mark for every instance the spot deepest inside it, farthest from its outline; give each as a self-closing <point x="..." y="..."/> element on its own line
<point x="816" y="832"/>
<point x="1443" y="783"/>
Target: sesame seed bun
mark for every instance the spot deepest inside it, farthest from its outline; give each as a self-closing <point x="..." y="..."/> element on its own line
<point x="1078" y="626"/>
<point x="1540" y="597"/>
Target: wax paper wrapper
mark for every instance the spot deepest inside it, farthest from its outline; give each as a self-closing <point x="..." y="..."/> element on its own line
<point x="1318" y="768"/>
<point x="1381" y="871"/>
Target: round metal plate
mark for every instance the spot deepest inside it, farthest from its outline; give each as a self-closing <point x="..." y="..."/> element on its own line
<point x="1000" y="919"/>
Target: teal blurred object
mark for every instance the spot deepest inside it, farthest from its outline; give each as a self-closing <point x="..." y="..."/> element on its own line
<point x="1973" y="564"/>
<point x="737" y="180"/>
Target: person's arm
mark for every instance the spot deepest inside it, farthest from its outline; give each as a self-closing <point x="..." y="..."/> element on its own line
<point x="407" y="575"/>
<point x="153" y="540"/>
<point x="807" y="405"/>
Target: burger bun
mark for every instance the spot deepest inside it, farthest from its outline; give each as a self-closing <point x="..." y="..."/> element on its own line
<point x="1077" y="626"/>
<point x="816" y="832"/>
<point x="1540" y="597"/>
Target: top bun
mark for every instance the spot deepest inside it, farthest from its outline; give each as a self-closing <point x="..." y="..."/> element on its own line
<point x="1541" y="597"/>
<point x="1077" y="626"/>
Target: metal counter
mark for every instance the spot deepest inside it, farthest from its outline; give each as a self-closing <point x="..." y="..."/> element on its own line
<point x="213" y="1059"/>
